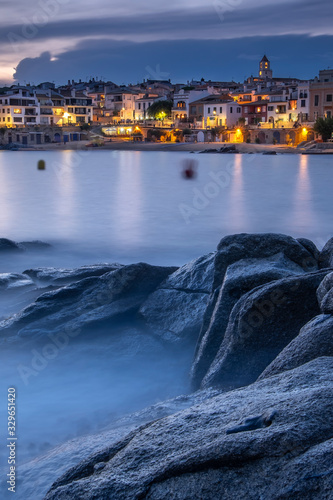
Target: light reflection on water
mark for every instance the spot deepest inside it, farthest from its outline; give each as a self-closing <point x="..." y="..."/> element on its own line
<point x="125" y="206"/>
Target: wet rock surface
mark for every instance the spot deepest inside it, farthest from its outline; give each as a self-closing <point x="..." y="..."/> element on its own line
<point x="175" y="310"/>
<point x="60" y="276"/>
<point x="89" y="301"/>
<point x="313" y="341"/>
<point x="174" y="457"/>
<point x="240" y="278"/>
<point x="260" y="311"/>
<point x="260" y="325"/>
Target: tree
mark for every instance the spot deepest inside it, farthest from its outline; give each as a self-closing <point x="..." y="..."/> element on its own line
<point x="216" y="131"/>
<point x="160" y="110"/>
<point x="324" y="127"/>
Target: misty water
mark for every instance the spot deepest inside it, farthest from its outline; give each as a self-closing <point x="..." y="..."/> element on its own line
<point x="99" y="206"/>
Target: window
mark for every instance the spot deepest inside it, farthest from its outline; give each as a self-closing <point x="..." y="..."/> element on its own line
<point x="221" y="109"/>
<point x="3" y="119"/>
<point x="209" y="111"/>
<point x="316" y="100"/>
<point x="8" y="111"/>
<point x="70" y="110"/>
<point x="8" y="119"/>
<point x="246" y="109"/>
<point x="270" y="108"/>
<point x="258" y="110"/>
<point x="329" y="98"/>
<point x="139" y="105"/>
<point x="17" y="119"/>
<point x="303" y="103"/>
<point x="328" y="114"/>
<point x="231" y="109"/>
<point x="17" y="111"/>
<point x="239" y="110"/>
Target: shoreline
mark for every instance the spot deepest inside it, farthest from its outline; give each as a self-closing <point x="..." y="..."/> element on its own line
<point x="168" y="147"/>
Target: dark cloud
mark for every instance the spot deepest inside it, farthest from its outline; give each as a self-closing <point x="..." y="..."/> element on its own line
<point x="180" y="60"/>
<point x="295" y="17"/>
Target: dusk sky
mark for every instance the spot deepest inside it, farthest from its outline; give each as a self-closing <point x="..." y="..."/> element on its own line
<point x="126" y="41"/>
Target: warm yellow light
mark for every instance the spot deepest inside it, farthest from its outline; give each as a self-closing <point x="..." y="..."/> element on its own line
<point x="18" y="111"/>
<point x="66" y="115"/>
<point x="238" y="131"/>
<point x="277" y="110"/>
<point x="304" y="131"/>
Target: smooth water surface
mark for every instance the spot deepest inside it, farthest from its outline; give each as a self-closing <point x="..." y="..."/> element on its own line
<point x="135" y="206"/>
<point x="101" y="206"/>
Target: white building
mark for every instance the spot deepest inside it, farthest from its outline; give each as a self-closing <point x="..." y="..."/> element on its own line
<point x="215" y="111"/>
<point x="303" y="102"/>
<point x="19" y="108"/>
<point x="143" y="104"/>
<point x="121" y="103"/>
<point x="282" y="108"/>
<point x="51" y="107"/>
<point x="184" y="98"/>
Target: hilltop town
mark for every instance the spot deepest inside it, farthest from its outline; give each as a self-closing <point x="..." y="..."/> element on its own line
<point x="264" y="109"/>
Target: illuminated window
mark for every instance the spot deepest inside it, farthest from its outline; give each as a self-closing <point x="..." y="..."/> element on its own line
<point x="258" y="110"/>
<point x="17" y="111"/>
<point x="260" y="73"/>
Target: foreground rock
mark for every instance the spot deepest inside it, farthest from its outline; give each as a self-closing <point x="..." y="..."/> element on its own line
<point x="325" y="294"/>
<point x="175" y="310"/>
<point x="94" y="300"/>
<point x="61" y="276"/>
<point x="326" y="255"/>
<point x="261" y="324"/>
<point x="243" y="262"/>
<point x="240" y="278"/>
<point x="250" y="443"/>
<point x="57" y="461"/>
<point x="314" y="340"/>
<point x="14" y="282"/>
<point x="11" y="246"/>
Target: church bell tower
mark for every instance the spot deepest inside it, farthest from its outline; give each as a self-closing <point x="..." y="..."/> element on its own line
<point x="265" y="72"/>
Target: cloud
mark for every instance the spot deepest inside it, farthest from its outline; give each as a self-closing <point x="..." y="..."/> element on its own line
<point x="238" y="20"/>
<point x="125" y="61"/>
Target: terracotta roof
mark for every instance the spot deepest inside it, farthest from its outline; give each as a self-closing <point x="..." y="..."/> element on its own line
<point x="213" y="99"/>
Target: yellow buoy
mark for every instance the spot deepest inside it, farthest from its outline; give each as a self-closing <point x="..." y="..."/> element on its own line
<point x="41" y="165"/>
